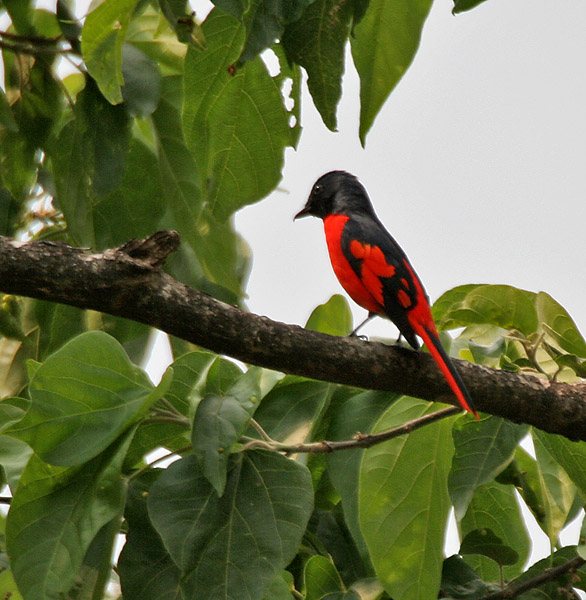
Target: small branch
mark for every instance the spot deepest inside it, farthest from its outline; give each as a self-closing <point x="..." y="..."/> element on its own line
<point x="128" y="282"/>
<point x="34" y="45"/>
<point x="512" y="591"/>
<point x="359" y="441"/>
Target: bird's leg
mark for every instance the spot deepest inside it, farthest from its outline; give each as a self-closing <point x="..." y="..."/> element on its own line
<point x="355" y="330"/>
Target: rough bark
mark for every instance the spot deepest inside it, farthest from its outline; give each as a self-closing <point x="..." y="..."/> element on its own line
<point x="129" y="282"/>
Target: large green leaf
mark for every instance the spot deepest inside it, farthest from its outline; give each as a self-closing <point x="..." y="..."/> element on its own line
<point x="354" y="414"/>
<point x="317" y="42"/>
<point x="142" y="82"/>
<point x="333" y="317"/>
<point x="216" y="246"/>
<point x="149" y="34"/>
<point x="103" y="34"/>
<point x="219" y="422"/>
<point x="495" y="507"/>
<point x="56" y="513"/>
<point x="404" y="502"/>
<point x="482" y="450"/>
<point x="135" y="208"/>
<point x="83" y="397"/>
<point x="557" y="492"/>
<point x="234" y="119"/>
<point x="264" y="20"/>
<point x="57" y="323"/>
<point x="232" y="546"/>
<point x="557" y="322"/>
<point x="383" y="46"/>
<point x="321" y="578"/>
<point x="188" y="372"/>
<point x="291" y="411"/>
<point x="145" y="567"/>
<point x="502" y="305"/>
<point x="89" y="160"/>
<point x="570" y="455"/>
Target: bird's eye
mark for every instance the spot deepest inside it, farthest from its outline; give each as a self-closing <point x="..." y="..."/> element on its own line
<point x="317" y="188"/>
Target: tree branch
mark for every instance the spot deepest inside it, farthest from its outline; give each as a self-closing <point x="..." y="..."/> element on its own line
<point x="361" y="440"/>
<point x="128" y="282"/>
<point x="512" y="591"/>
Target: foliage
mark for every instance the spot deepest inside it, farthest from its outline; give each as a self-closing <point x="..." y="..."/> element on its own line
<point x="166" y="121"/>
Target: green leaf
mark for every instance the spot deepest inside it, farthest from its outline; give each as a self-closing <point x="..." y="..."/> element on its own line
<point x="217" y="247"/>
<point x="236" y="544"/>
<point x="57" y="323"/>
<point x="83" y="397"/>
<point x="146" y="570"/>
<point x="486" y="543"/>
<point x="321" y="578"/>
<point x="495" y="507"/>
<point x="88" y="160"/>
<point x="571" y="456"/>
<point x="355" y="414"/>
<point x="460" y="581"/>
<point x="292" y="410"/>
<point x="6" y="116"/>
<point x="96" y="570"/>
<point x="9" y="210"/>
<point x="142" y="82"/>
<point x="333" y="317"/>
<point x="149" y="33"/>
<point x="383" y="46"/>
<point x="317" y="42"/>
<point x="501" y="305"/>
<point x="464" y="5"/>
<point x="403" y="528"/>
<point x="219" y="423"/>
<point x="482" y="450"/>
<point x="188" y="373"/>
<point x="178" y="170"/>
<point x="103" y="34"/>
<point x="330" y="528"/>
<point x="234" y="120"/>
<point x="279" y="588"/>
<point x="559" y="325"/>
<point x="179" y="15"/>
<point x="56" y="513"/>
<point x="264" y="20"/>
<point x="136" y="207"/>
<point x="14" y="456"/>
<point x="21" y="13"/>
<point x="557" y="492"/>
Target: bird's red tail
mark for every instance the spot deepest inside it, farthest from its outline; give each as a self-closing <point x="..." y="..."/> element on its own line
<point x="432" y="341"/>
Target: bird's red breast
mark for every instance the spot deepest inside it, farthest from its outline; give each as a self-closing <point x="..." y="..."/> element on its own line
<point x="357" y="290"/>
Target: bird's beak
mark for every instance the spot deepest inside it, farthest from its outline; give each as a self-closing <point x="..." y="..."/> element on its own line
<point x="304" y="212"/>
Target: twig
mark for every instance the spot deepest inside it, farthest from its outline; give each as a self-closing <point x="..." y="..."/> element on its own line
<point x="359" y="441"/>
<point x="512" y="591"/>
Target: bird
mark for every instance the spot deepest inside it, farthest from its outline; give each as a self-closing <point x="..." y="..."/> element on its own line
<point x="375" y="271"/>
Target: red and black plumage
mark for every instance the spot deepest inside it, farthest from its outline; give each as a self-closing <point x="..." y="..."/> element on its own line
<point x="374" y="270"/>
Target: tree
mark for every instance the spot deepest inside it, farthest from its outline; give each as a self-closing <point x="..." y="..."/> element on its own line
<point x="335" y="480"/>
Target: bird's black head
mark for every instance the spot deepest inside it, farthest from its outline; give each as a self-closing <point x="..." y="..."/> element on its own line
<point x="336" y="192"/>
